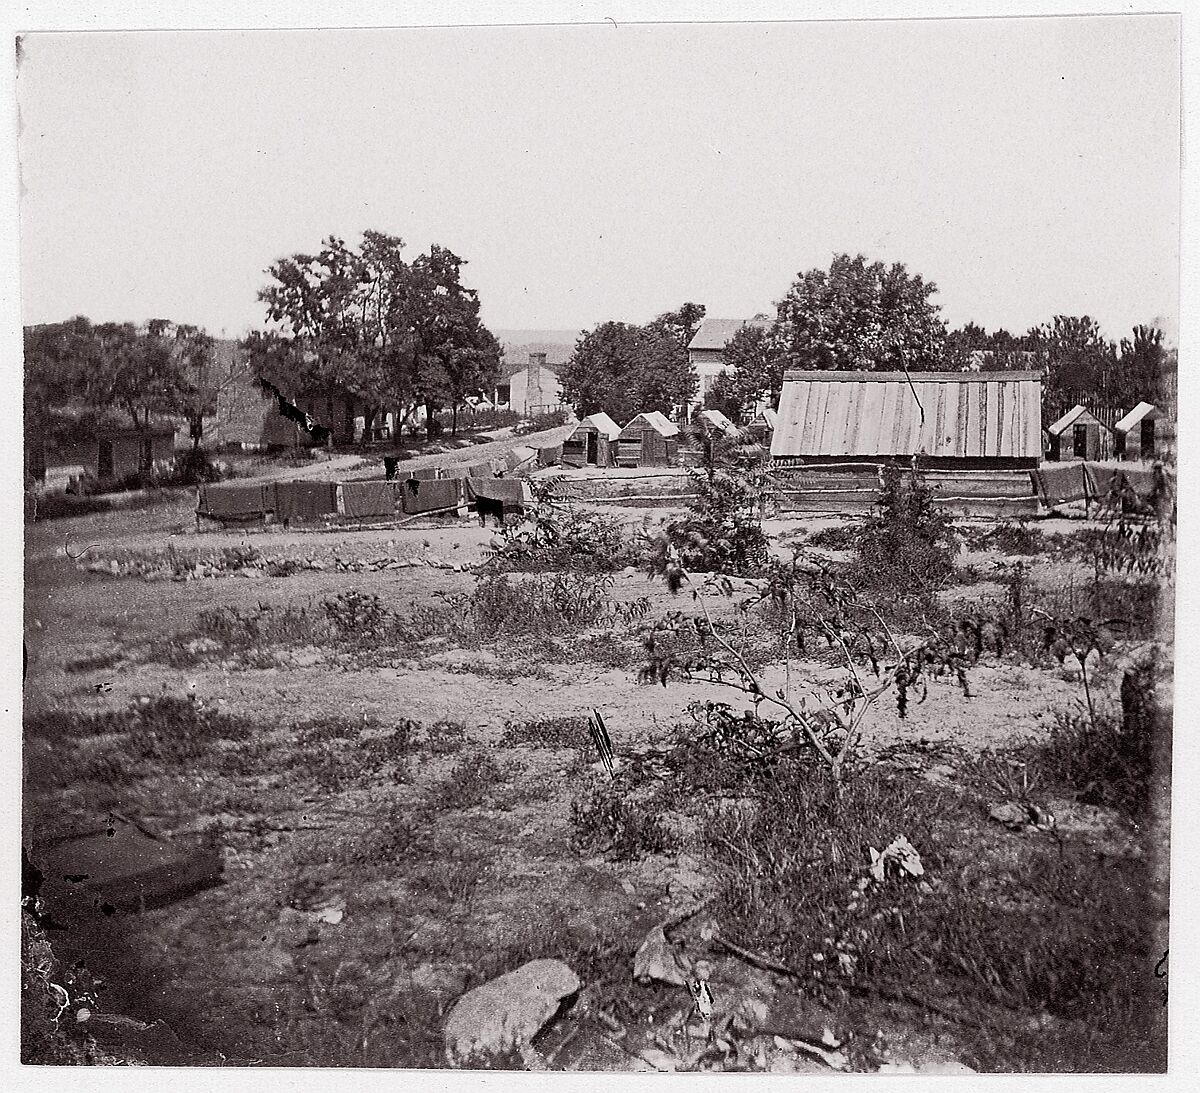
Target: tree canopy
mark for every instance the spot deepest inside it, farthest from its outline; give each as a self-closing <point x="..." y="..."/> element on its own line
<point x="625" y="369"/>
<point x="860" y="315"/>
<point x="394" y="334"/>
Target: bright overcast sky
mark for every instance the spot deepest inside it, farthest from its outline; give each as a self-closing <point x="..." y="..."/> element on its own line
<point x="1028" y="167"/>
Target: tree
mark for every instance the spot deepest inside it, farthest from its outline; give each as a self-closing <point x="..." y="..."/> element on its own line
<point x="757" y="361"/>
<point x="1079" y="363"/>
<point x="624" y="369"/>
<point x="392" y="334"/>
<point x="861" y="316"/>
<point x="348" y="318"/>
<point x="682" y="323"/>
<point x="1141" y="361"/>
<point x="458" y="355"/>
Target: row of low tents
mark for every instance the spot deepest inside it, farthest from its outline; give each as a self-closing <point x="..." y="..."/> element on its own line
<point x="649" y="440"/>
<point x="1080" y="434"/>
<point x="426" y="491"/>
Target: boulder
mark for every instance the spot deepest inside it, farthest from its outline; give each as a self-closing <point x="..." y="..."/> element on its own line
<point x="656" y="960"/>
<point x="506" y="1013"/>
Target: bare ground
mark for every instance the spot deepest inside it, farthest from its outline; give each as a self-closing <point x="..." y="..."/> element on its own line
<point x="237" y="971"/>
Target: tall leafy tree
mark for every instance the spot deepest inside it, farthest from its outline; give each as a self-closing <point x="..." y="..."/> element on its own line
<point x="458" y="355"/>
<point x="624" y="369"/>
<point x="1142" y="360"/>
<point x="1080" y="364"/>
<point x="860" y="315"/>
<point x="394" y="334"/>
<point x="348" y="318"/>
<point x="757" y="359"/>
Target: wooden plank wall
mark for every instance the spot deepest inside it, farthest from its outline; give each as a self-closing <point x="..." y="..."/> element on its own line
<point x="855" y="488"/>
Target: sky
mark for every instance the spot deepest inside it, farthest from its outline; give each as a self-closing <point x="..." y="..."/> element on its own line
<point x="1028" y="167"/>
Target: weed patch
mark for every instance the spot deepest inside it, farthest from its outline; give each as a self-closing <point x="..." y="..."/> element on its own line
<point x="607" y="818"/>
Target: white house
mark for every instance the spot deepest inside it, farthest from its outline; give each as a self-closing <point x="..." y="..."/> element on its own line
<point x="706" y="351"/>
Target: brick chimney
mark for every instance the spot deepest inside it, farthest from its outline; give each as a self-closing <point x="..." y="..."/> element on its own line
<point x="533" y="392"/>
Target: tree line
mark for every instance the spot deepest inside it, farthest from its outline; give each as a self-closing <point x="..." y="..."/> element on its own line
<point x="401" y="336"/>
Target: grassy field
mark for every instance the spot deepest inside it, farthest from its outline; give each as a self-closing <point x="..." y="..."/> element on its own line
<point x="395" y="764"/>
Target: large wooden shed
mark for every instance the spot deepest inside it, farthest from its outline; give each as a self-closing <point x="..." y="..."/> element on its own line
<point x="1079" y="434"/>
<point x="978" y="435"/>
<point x="952" y="419"/>
<point x="649" y="440"/>
<point x="593" y="443"/>
<point x="1133" y="435"/>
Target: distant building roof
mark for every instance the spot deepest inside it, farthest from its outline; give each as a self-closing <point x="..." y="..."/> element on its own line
<point x="514" y="362"/>
<point x="1077" y="415"/>
<point x="940" y="414"/>
<point x="717" y="333"/>
<point x="658" y="421"/>
<point x="1143" y="411"/>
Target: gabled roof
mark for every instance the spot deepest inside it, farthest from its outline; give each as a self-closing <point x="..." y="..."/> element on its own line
<point x="1077" y="415"/>
<point x="940" y="414"/>
<point x="658" y="421"/>
<point x="768" y="417"/>
<point x="718" y="420"/>
<point x="716" y="333"/>
<point x="601" y="422"/>
<point x="1143" y="411"/>
<point x="516" y="357"/>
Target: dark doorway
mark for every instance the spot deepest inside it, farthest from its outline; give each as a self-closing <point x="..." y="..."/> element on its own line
<point x="593" y="448"/>
<point x="1147" y="440"/>
<point x="1081" y="432"/>
<point x="104" y="459"/>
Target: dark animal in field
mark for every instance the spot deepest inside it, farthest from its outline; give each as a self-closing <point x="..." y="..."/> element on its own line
<point x="490" y="506"/>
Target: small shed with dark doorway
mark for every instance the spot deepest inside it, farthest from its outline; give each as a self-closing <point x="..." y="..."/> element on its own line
<point x="649" y="440"/>
<point x="110" y="454"/>
<point x="593" y="443"/>
<point x="1079" y="434"/>
<point x="1133" y="435"/>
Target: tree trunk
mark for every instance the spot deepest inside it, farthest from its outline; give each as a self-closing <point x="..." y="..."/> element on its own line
<point x="369" y="416"/>
<point x="454" y="420"/>
<point x="432" y="429"/>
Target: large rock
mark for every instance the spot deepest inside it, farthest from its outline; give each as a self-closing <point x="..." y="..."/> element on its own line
<point x="508" y="1012"/>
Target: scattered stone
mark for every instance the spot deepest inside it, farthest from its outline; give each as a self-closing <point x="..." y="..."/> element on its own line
<point x="506" y="1013"/>
<point x="1011" y="814"/>
<point x="656" y="961"/>
<point x="445" y="980"/>
<point x="940" y="774"/>
<point x="658" y="1059"/>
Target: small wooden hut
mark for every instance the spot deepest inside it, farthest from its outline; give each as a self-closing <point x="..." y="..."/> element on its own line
<point x="717" y="420"/>
<point x="593" y="443"/>
<point x="762" y="427"/>
<point x="649" y="440"/>
<point x="1133" y="435"/>
<point x="1079" y="434"/>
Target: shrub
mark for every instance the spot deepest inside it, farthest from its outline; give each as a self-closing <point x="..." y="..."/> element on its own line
<point x="605" y="818"/>
<point x="835" y="537"/>
<point x="469" y="782"/>
<point x="556" y="535"/>
<point x="357" y="614"/>
<point x="538" y="605"/>
<point x="1019" y="925"/>
<point x="722" y="532"/>
<point x="549" y="732"/>
<point x="254" y="628"/>
<point x="907" y="546"/>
